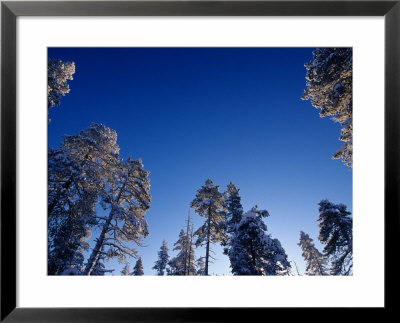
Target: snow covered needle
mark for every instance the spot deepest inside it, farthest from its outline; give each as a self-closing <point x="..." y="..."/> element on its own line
<point x="58" y="73"/>
<point x="253" y="251"/>
<point x="316" y="261"/>
<point x="329" y="83"/>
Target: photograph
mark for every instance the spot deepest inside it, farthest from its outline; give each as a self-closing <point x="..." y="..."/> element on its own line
<point x="197" y="157"/>
<point x="200" y="161"/>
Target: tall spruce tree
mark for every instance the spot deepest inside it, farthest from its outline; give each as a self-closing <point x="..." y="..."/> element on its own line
<point x="209" y="203"/>
<point x="138" y="269"/>
<point x="336" y="233"/>
<point x="127" y="198"/>
<point x="162" y="261"/>
<point x="330" y="88"/>
<point x="315" y="261"/>
<point x="233" y="214"/>
<point x="253" y="252"/>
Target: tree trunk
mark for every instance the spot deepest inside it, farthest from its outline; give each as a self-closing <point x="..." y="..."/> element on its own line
<point x="186" y="247"/>
<point x="97" y="248"/>
<point x="100" y="240"/>
<point x="253" y="256"/>
<point x="190" y="249"/>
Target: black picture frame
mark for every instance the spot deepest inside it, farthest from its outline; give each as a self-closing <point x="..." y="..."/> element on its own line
<point x="10" y="10"/>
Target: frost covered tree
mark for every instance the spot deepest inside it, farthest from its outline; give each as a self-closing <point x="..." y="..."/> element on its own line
<point x="190" y="267"/>
<point x="125" y="271"/>
<point x="336" y="233"/>
<point x="77" y="172"/>
<point x="127" y="198"/>
<point x="315" y="261"/>
<point x="183" y="263"/>
<point x="83" y="161"/>
<point x="329" y="82"/>
<point x="162" y="261"/>
<point x="253" y="251"/>
<point x="209" y="203"/>
<point x="58" y="75"/>
<point x="233" y="213"/>
<point x="67" y="244"/>
<point x="70" y="218"/>
<point x="138" y="269"/>
<point x="175" y="267"/>
<point x="200" y="266"/>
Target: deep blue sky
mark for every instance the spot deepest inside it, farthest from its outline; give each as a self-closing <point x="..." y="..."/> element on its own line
<point x="229" y="114"/>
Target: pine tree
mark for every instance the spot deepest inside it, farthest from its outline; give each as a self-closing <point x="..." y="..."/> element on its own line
<point x="183" y="263"/>
<point x="253" y="252"/>
<point x="175" y="267"/>
<point x="190" y="267"/>
<point x="200" y="266"/>
<point x="127" y="199"/>
<point x="209" y="203"/>
<point x="71" y="216"/>
<point x="84" y="161"/>
<point x="138" y="269"/>
<point x="77" y="174"/>
<point x="336" y="232"/>
<point x="67" y="245"/>
<point x="125" y="271"/>
<point x="329" y="87"/>
<point x="233" y="214"/>
<point x="316" y="262"/>
<point x="161" y="264"/>
<point x="58" y="74"/>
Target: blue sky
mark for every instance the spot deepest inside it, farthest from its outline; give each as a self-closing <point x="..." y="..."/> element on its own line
<point x="229" y="114"/>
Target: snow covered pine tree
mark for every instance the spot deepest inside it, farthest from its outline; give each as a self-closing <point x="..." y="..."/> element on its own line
<point x="316" y="261"/>
<point x="128" y="198"/>
<point x="253" y="252"/>
<point x="161" y="264"/>
<point x="177" y="264"/>
<point x="138" y="269"/>
<point x="233" y="214"/>
<point x="209" y="203"/>
<point x="201" y="266"/>
<point x="329" y="82"/>
<point x="336" y="232"/>
<point x="58" y="74"/>
<point x="190" y="267"/>
<point x="77" y="172"/>
<point x="183" y="264"/>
